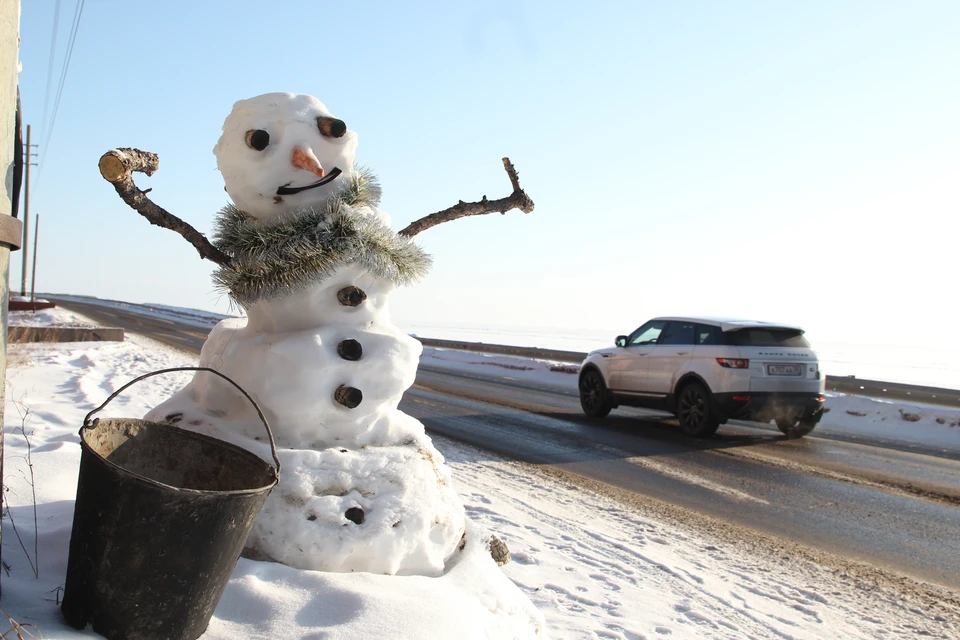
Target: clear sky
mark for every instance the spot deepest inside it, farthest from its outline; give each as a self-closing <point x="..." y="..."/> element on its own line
<point x="797" y="162"/>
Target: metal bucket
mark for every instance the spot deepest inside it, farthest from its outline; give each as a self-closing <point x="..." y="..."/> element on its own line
<point x="161" y="517"/>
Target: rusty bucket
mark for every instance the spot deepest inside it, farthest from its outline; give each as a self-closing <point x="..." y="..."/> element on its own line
<point x="161" y="517"/>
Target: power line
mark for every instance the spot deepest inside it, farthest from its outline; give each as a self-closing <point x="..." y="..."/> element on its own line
<point x="53" y="53"/>
<point x="66" y="67"/>
<point x="63" y="78"/>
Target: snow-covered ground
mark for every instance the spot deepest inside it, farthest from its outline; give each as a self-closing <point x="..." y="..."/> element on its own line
<point x="937" y="366"/>
<point x="192" y="317"/>
<point x="594" y="567"/>
<point x="926" y="425"/>
<point x="920" y="424"/>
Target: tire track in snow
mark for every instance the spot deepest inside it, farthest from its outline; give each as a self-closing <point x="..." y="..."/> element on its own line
<point x="619" y="571"/>
<point x="898" y="488"/>
<point x="685" y="476"/>
<point x="700" y="589"/>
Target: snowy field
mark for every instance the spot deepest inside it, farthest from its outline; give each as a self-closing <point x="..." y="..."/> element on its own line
<point x="920" y="424"/>
<point x="921" y="365"/>
<point x="595" y="568"/>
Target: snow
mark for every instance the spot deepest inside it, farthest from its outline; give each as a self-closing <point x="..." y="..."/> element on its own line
<point x="192" y="317"/>
<point x="252" y="177"/>
<point x="593" y="567"/>
<point x="370" y="457"/>
<point x="846" y="414"/>
<point x="908" y="423"/>
<point x="366" y="516"/>
<point x="934" y="366"/>
<point x="363" y="489"/>
<point x="48" y="318"/>
<point x="927" y="366"/>
<point x="53" y="386"/>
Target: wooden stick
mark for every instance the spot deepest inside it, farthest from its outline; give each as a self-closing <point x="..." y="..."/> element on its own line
<point x="116" y="166"/>
<point x="516" y="200"/>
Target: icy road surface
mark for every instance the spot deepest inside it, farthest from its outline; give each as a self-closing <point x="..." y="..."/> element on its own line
<point x="603" y="560"/>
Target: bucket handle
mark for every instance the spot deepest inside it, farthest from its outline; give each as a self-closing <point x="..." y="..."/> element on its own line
<point x="273" y="446"/>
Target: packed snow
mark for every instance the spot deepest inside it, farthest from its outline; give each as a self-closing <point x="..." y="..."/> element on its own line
<point x="288" y="125"/>
<point x="593" y="567"/>
<point x="369" y="457"/>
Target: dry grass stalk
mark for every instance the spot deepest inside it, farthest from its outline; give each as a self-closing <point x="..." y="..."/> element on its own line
<point x="17" y="356"/>
<point x="20" y="629"/>
<point x="35" y="566"/>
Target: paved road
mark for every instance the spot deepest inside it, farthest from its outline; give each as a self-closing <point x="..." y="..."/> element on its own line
<point x="894" y="509"/>
<point x="175" y="334"/>
<point x="880" y="505"/>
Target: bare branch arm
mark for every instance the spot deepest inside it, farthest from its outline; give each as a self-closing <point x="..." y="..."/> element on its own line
<point x="516" y="200"/>
<point x="116" y="166"/>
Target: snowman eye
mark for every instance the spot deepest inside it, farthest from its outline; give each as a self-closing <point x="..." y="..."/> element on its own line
<point x="331" y="127"/>
<point x="257" y="139"/>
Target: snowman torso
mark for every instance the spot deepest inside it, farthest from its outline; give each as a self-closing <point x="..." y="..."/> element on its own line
<point x="362" y="488"/>
<point x="296" y="353"/>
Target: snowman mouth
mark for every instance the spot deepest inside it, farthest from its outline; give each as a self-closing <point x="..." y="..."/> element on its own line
<point x="287" y="190"/>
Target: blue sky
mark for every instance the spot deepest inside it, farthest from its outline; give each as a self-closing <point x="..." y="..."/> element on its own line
<point x="797" y="162"/>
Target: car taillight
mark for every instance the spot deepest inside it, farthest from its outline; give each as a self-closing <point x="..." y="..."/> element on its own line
<point x="733" y="363"/>
<point x="742" y="398"/>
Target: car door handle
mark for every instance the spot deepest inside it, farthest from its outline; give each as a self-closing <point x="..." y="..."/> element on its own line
<point x="682" y="353"/>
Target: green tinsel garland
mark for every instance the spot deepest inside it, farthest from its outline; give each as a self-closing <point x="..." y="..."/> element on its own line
<point x="305" y="247"/>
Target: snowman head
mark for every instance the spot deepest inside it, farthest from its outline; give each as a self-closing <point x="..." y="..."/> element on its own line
<point x="280" y="152"/>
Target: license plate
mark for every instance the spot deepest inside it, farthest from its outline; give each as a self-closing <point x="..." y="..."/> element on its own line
<point x="784" y="369"/>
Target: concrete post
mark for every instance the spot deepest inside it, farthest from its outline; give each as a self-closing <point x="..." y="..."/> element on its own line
<point x="9" y="52"/>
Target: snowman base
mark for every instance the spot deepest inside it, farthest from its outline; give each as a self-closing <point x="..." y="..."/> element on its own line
<point x="471" y="600"/>
<point x="379" y="509"/>
<point x="389" y="510"/>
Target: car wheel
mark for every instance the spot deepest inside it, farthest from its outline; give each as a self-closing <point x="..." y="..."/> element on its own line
<point x="695" y="411"/>
<point x="593" y="395"/>
<point x="796" y="428"/>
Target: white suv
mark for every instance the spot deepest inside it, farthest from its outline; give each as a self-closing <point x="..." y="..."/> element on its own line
<point x="706" y="371"/>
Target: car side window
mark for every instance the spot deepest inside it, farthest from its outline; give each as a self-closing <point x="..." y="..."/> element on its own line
<point x="709" y="335"/>
<point x="647" y="334"/>
<point x="678" y="333"/>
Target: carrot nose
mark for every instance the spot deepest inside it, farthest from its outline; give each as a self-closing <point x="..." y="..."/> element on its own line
<point x="304" y="159"/>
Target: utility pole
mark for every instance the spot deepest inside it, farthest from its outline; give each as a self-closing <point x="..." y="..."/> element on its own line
<point x="33" y="278"/>
<point x="27" y="163"/>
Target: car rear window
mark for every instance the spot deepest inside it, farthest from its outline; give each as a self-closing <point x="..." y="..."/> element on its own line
<point x="767" y="338"/>
<point x="709" y="335"/>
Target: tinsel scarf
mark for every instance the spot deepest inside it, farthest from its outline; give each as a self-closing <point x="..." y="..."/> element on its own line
<point x="305" y="247"/>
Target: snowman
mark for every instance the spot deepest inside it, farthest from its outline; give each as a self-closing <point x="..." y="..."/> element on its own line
<point x="313" y="261"/>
